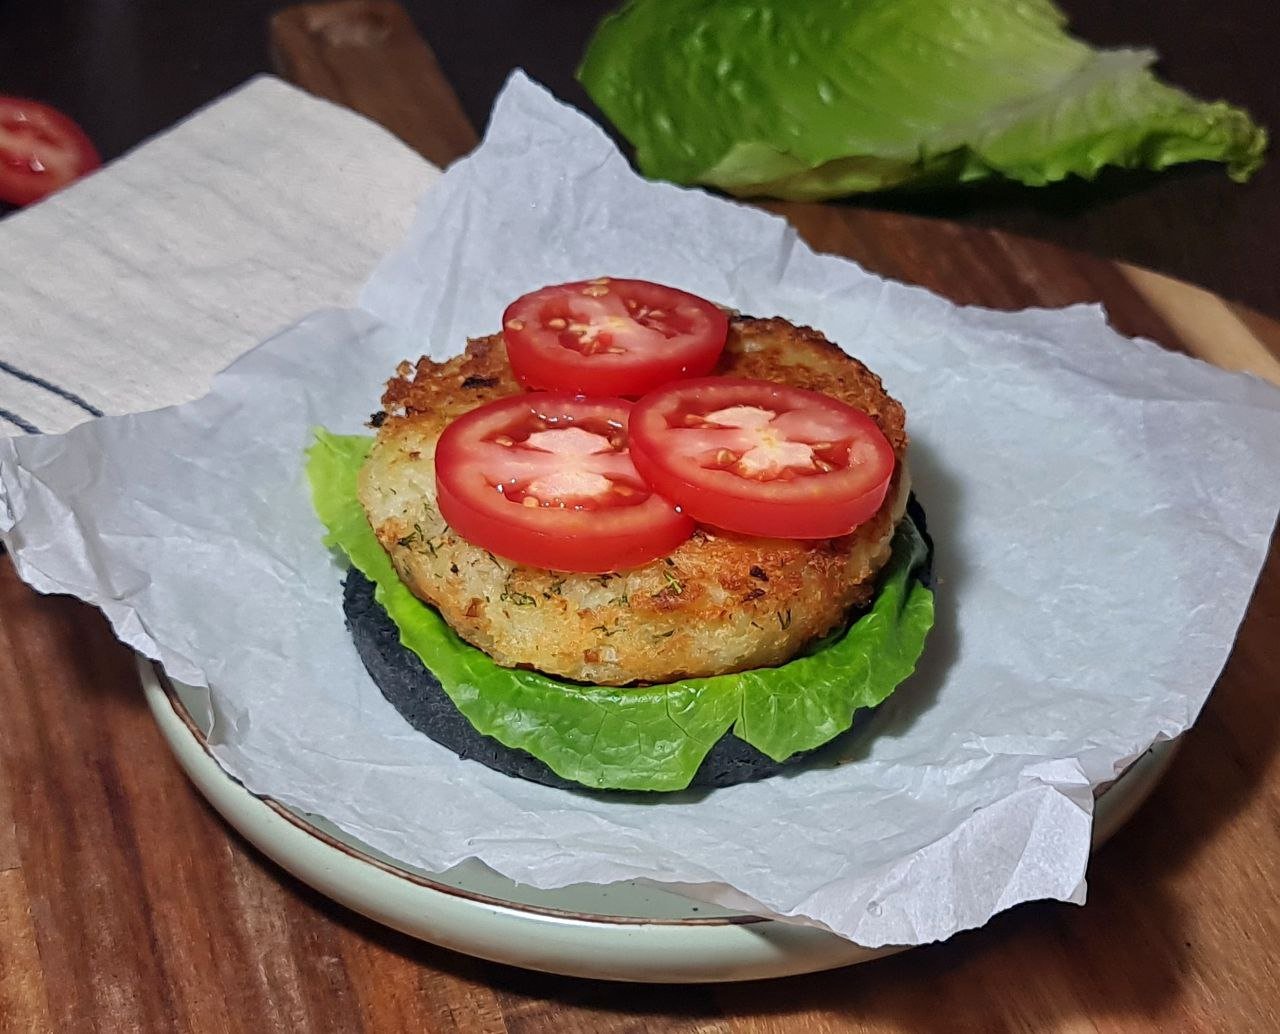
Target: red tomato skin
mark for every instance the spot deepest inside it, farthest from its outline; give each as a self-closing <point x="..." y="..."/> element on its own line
<point x="586" y="541"/>
<point x="539" y="362"/>
<point x="809" y="510"/>
<point x="554" y="551"/>
<point x="29" y="128"/>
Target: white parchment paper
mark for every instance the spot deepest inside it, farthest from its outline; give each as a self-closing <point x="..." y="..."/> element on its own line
<point x="1101" y="509"/>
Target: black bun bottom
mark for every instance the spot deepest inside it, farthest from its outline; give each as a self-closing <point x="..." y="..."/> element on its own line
<point x="415" y="692"/>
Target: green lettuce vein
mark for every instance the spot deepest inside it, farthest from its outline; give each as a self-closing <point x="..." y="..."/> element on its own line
<point x="832" y="97"/>
<point x="647" y="738"/>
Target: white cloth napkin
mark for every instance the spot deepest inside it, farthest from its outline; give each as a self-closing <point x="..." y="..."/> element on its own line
<point x="130" y="289"/>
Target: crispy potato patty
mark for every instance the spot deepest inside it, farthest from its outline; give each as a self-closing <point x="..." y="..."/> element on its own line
<point x="721" y="602"/>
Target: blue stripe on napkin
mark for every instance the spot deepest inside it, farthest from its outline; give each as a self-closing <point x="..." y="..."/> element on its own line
<point x="40" y="382"/>
<point x="19" y="422"/>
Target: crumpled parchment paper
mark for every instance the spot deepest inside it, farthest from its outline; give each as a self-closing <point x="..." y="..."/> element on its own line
<point x="1101" y="509"/>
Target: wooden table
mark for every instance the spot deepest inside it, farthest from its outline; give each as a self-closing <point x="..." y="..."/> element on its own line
<point x="127" y="905"/>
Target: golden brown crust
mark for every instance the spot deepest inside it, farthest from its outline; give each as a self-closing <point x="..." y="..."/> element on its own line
<point x="766" y="349"/>
<point x="720" y="602"/>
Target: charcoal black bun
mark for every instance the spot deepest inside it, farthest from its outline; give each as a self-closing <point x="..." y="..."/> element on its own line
<point x="416" y="693"/>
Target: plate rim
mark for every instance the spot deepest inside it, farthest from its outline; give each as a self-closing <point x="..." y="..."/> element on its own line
<point x="682" y="949"/>
<point x="294" y="819"/>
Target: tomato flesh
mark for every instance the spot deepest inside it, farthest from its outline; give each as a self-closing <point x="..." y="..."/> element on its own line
<point x="761" y="458"/>
<point x="611" y="337"/>
<point x="546" y="479"/>
<point x="41" y="150"/>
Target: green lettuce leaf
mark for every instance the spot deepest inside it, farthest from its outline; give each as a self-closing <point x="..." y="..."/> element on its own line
<point x="649" y="738"/>
<point x="830" y="97"/>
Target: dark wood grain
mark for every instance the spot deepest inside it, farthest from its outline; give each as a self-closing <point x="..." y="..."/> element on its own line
<point x="127" y="905"/>
<point x="367" y="55"/>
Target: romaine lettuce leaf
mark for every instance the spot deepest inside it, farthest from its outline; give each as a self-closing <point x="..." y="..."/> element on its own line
<point x="831" y="97"/>
<point x="649" y="738"/>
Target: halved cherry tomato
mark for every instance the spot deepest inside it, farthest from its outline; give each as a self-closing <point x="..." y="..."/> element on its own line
<point x="41" y="150"/>
<point x="611" y="337"/>
<point x="761" y="458"/>
<point x="546" y="480"/>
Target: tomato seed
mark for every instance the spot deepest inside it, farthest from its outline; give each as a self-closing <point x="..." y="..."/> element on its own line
<point x="557" y="323"/>
<point x="502" y="439"/>
<point x="595" y="291"/>
<point x="530" y="501"/>
<point x="515" y="325"/>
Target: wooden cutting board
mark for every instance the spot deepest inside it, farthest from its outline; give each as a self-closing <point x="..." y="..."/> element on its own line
<point x="127" y="905"/>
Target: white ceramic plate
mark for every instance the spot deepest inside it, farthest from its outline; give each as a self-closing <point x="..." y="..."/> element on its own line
<point x="624" y="931"/>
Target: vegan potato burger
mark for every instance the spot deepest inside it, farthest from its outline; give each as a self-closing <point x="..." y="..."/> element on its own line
<point x="658" y="544"/>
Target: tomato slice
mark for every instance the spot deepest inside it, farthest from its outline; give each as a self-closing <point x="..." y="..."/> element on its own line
<point x="761" y="458"/>
<point x="546" y="479"/>
<point x="41" y="150"/>
<point x="611" y="337"/>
